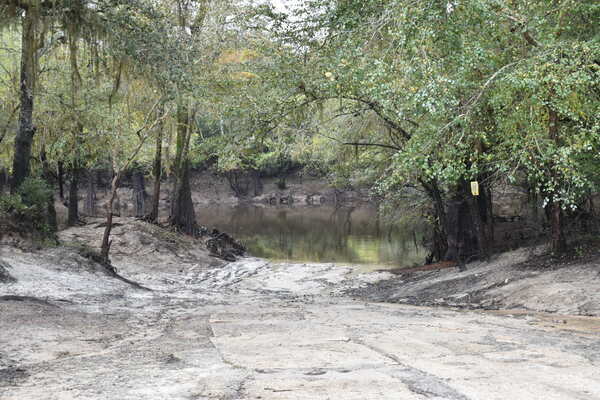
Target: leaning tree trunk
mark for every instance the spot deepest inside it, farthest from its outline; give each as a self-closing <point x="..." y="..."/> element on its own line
<point x="26" y="131"/>
<point x="73" y="209"/>
<point x="106" y="242"/>
<point x="139" y="193"/>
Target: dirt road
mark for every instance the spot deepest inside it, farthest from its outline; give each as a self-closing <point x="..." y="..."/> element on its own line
<point x="254" y="330"/>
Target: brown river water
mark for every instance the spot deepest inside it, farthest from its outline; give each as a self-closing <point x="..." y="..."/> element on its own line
<point x="320" y="234"/>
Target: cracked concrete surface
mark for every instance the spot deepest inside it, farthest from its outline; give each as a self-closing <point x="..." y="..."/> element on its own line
<point x="255" y="330"/>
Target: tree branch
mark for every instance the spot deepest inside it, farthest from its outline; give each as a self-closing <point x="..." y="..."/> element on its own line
<point x="376" y="108"/>
<point x="385" y="146"/>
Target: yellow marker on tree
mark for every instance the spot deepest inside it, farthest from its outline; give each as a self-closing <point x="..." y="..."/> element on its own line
<point x="475" y="188"/>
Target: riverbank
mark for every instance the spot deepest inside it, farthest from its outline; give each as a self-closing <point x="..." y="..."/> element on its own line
<point x="199" y="328"/>
<point x="211" y="189"/>
<point x="526" y="279"/>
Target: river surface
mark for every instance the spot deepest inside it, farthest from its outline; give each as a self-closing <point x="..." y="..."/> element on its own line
<point x="320" y="234"/>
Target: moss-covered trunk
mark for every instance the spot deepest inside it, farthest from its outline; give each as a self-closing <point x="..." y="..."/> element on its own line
<point x="182" y="216"/>
<point x="26" y="130"/>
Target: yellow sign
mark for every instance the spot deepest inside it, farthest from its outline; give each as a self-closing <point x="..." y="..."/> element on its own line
<point x="475" y="188"/>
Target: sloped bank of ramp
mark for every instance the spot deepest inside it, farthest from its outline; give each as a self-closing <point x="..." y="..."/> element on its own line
<point x="522" y="279"/>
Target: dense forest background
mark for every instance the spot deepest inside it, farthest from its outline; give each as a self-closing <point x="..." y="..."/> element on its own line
<point x="424" y="102"/>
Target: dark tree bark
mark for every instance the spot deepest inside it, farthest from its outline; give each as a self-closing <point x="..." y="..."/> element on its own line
<point x="61" y="180"/>
<point x="558" y="242"/>
<point x="258" y="185"/>
<point x="439" y="240"/>
<point x="238" y="182"/>
<point x="482" y="212"/>
<point x="3" y="176"/>
<point x="139" y="193"/>
<point x="26" y="131"/>
<point x="106" y="242"/>
<point x="73" y="208"/>
<point x="532" y="199"/>
<point x="183" y="215"/>
<point x="50" y="208"/>
<point x="460" y="240"/>
<point x="469" y="224"/>
<point x="157" y="172"/>
<point x="89" y="206"/>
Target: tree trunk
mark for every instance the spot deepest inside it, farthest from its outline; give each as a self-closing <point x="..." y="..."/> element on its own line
<point x="456" y="221"/>
<point x="168" y="147"/>
<point x="61" y="180"/>
<point x="532" y="198"/>
<point x="26" y="131"/>
<point x="558" y="241"/>
<point x="3" y="175"/>
<point x="439" y="240"/>
<point x="50" y="209"/>
<point x="89" y="206"/>
<point x="73" y="210"/>
<point x="239" y="182"/>
<point x="106" y="242"/>
<point x="467" y="225"/>
<point x="116" y="205"/>
<point x="258" y="185"/>
<point x="183" y="216"/>
<point x="157" y="172"/>
<point x="139" y="193"/>
<point x="482" y="217"/>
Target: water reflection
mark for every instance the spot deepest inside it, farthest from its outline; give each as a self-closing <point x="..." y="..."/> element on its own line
<point x="319" y="234"/>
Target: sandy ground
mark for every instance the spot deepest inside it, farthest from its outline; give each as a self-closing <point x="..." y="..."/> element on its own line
<point x="256" y="330"/>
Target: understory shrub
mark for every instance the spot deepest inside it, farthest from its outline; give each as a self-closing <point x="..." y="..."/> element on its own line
<point x="29" y="206"/>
